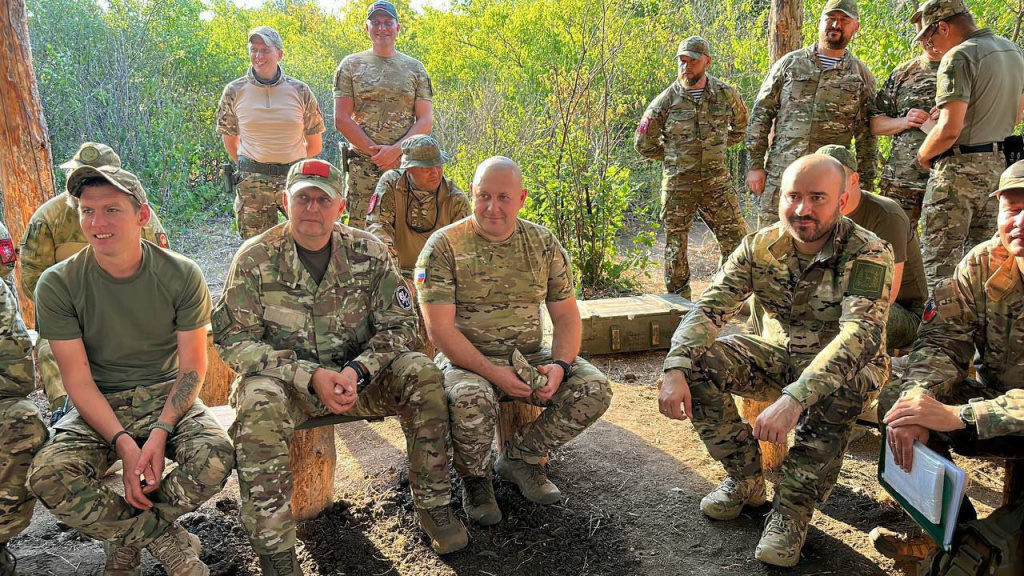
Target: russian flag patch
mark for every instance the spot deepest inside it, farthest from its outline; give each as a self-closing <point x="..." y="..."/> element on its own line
<point x="421" y="276"/>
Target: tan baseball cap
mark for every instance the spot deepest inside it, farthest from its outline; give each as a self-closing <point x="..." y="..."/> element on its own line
<point x="841" y="153"/>
<point x="121" y="179"/>
<point x="934" y="11"/>
<point x="694" y="47"/>
<point x="849" y="7"/>
<point x="269" y="36"/>
<point x="422" y="151"/>
<point x="93" y="154"/>
<point x="316" y="173"/>
<point x="1011" y="179"/>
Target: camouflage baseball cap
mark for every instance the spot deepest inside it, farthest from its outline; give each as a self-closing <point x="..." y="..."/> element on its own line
<point x="694" y="47"/>
<point x="93" y="154"/>
<point x="1011" y="179"/>
<point x="841" y="153"/>
<point x="934" y="11"/>
<point x="121" y="179"/>
<point x="269" y="36"/>
<point x="422" y="151"/>
<point x="849" y="7"/>
<point x="382" y="6"/>
<point x="316" y="173"/>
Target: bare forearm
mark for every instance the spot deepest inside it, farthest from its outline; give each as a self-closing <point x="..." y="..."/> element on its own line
<point x="354" y="134"/>
<point x="182" y="395"/>
<point x="887" y="126"/>
<point x="93" y="408"/>
<point x="940" y="139"/>
<point x="423" y="125"/>
<point x="565" y="345"/>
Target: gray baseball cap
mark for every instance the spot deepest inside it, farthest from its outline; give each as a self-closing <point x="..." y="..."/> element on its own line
<point x="694" y="47"/>
<point x="269" y="36"/>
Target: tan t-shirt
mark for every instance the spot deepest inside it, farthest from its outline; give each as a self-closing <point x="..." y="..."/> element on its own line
<point x="272" y="120"/>
<point x="129" y="326"/>
<point x="497" y="287"/>
<point x="888" y="221"/>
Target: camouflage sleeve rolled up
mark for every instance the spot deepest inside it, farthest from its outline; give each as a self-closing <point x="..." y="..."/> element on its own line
<point x="392" y="318"/>
<point x="312" y="117"/>
<point x="740" y="116"/>
<point x="864" y="141"/>
<point x="17" y="375"/>
<point x="720" y="301"/>
<point x="862" y="323"/>
<point x="381" y="219"/>
<point x="648" y="140"/>
<point x="38" y="252"/>
<point x="227" y="122"/>
<point x="1000" y="416"/>
<point x="763" y="114"/>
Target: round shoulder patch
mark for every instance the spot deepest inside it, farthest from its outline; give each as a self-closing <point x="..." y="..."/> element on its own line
<point x="929" y="312"/>
<point x="403" y="297"/>
<point x="89" y="154"/>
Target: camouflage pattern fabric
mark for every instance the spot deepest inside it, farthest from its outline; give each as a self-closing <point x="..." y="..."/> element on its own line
<point x="901" y="329"/>
<point x="910" y="85"/>
<point x="257" y="203"/>
<point x="974" y="319"/>
<point x="360" y="184"/>
<point x="473" y="402"/>
<point x="809" y="108"/>
<point x="22" y="431"/>
<point x="275" y="326"/>
<point x="8" y="257"/>
<point x="957" y="212"/>
<point x="693" y="139"/>
<point x="400" y="212"/>
<point x="66" y="474"/>
<point x="821" y="345"/>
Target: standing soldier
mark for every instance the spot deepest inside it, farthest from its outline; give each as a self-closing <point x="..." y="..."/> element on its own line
<point x="979" y="90"/>
<point x="689" y="127"/>
<point x="899" y="109"/>
<point x="812" y="97"/>
<point x="413" y="201"/>
<point x="381" y="98"/>
<point x="55" y="234"/>
<point x="268" y="121"/>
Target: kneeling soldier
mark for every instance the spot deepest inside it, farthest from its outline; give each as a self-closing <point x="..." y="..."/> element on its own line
<point x="316" y="319"/>
<point x="127" y="324"/>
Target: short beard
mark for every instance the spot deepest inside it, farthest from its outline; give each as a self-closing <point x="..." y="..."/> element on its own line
<point x="692" y="81"/>
<point x="838" y="44"/>
<point x="823" y="230"/>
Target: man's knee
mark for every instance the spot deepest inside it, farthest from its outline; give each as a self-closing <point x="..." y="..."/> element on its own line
<point x="23" y="429"/>
<point x="888" y="396"/>
<point x="261" y="408"/>
<point x="210" y="466"/>
<point x="591" y="392"/>
<point x="472" y="400"/>
<point x="58" y="480"/>
<point x="421" y="380"/>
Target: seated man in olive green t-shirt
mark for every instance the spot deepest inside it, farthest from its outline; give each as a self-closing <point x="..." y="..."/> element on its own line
<point x="888" y="221"/>
<point x="126" y="321"/>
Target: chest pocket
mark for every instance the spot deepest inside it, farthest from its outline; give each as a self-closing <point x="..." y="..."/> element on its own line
<point x="284" y="320"/>
<point x="681" y="125"/>
<point x="799" y="85"/>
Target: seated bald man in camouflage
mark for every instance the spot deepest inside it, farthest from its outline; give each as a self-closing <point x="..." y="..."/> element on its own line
<point x="54" y="234"/>
<point x="481" y="283"/>
<point x="316" y="320"/>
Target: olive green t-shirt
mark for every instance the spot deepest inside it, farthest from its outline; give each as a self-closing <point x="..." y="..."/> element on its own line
<point x="315" y="261"/>
<point x="888" y="221"/>
<point x="128" y="326"/>
<point x="497" y="287"/>
<point x="986" y="71"/>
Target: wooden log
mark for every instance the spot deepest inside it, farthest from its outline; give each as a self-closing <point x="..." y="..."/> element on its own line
<point x="219" y="376"/>
<point x="772" y="455"/>
<point x="1013" y="481"/>
<point x="314" y="459"/>
<point x="511" y="417"/>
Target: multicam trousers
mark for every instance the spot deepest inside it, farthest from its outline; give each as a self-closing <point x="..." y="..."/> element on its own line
<point x="22" y="433"/>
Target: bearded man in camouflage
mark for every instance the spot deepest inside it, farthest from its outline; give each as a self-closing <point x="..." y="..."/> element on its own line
<point x="381" y="97"/>
<point x="316" y="320"/>
<point x="824" y="284"/>
<point x="690" y="127"/>
<point x="481" y="282"/>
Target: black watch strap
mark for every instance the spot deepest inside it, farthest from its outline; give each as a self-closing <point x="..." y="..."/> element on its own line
<point x="361" y="373"/>
<point x="566" y="368"/>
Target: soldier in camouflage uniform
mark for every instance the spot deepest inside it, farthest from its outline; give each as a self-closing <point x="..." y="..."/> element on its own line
<point x="412" y="202"/>
<point x="811" y="97"/>
<point x="268" y="121"/>
<point x="316" y="319"/>
<point x="974" y="318"/>
<point x="127" y="324"/>
<point x="22" y="432"/>
<point x="53" y="235"/>
<point x="481" y="283"/>
<point x="824" y="283"/>
<point x="381" y="97"/>
<point x="689" y="127"/>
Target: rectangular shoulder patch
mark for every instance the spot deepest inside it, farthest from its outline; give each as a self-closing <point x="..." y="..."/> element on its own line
<point x="866" y="279"/>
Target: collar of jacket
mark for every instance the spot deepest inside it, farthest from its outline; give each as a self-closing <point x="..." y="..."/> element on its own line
<point x="291" y="272"/>
<point x="1004" y="278"/>
<point x="251" y="76"/>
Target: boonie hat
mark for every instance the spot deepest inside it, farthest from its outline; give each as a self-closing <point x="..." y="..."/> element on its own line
<point x="841" y="153"/>
<point x="422" y="151"/>
<point x="1011" y="179"/>
<point x="694" y="47"/>
<point x="121" y="179"/>
<point x="849" y="7"/>
<point x="269" y="36"/>
<point x="316" y="173"/>
<point x="934" y="11"/>
<point x="93" y="154"/>
<point x="382" y="6"/>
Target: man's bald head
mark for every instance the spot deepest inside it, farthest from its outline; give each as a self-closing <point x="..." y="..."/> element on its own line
<point x="498" y="164"/>
<point x="809" y="198"/>
<point x="824" y="170"/>
<point x="498" y="196"/>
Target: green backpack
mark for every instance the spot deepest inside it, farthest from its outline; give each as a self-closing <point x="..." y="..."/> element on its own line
<point x="993" y="546"/>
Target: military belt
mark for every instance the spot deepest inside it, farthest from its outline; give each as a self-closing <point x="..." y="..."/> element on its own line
<point x="975" y="149"/>
<point x="248" y="165"/>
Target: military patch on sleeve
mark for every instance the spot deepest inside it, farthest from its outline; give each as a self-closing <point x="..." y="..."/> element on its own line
<point x="644" y="123"/>
<point x="867" y="279"/>
<point x="373" y="204"/>
<point x="929" y="312"/>
<point x="161" y="240"/>
<point x="404" y="298"/>
<point x="7" y="253"/>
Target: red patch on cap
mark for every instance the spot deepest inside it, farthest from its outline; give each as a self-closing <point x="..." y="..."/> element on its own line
<point x="316" y="168"/>
<point x="373" y="204"/>
<point x="642" y="128"/>
<point x="7" y="253"/>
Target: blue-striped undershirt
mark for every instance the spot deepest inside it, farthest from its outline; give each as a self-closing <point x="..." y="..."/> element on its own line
<point x="696" y="94"/>
<point x="828" y="62"/>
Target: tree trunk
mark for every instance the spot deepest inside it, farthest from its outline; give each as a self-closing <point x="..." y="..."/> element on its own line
<point x="313" y="461"/>
<point x="511" y="417"/>
<point x="26" y="164"/>
<point x="217" y="383"/>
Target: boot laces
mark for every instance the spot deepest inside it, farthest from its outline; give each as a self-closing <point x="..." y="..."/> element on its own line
<point x="124" y="556"/>
<point x="777" y="524"/>
<point x="440" y="515"/>
<point x="282" y="562"/>
<point x="478" y="490"/>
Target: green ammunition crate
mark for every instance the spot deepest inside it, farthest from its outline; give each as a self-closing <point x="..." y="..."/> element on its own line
<point x="631" y="324"/>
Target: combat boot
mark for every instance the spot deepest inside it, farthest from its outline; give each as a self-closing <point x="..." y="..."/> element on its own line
<point x="281" y="564"/>
<point x="122" y="560"/>
<point x="8" y="563"/>
<point x="909" y="554"/>
<point x="532" y="480"/>
<point x="446" y="532"/>
<point x="478" y="501"/>
<point x="727" y="501"/>
<point x="781" y="541"/>
<point x="178" y="551"/>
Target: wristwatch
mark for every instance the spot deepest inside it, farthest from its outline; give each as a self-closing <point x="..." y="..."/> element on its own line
<point x="566" y="368"/>
<point x="363" y="376"/>
<point x="968" y="416"/>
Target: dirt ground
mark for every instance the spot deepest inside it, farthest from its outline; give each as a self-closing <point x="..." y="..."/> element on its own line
<point x="631" y="486"/>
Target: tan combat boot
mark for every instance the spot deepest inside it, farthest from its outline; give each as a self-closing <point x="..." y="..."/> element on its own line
<point x="281" y="564"/>
<point x="727" y="501"/>
<point x="478" y="501"/>
<point x="122" y="560"/>
<point x="178" y="551"/>
<point x="532" y="480"/>
<point x="909" y="554"/>
<point x="446" y="532"/>
<point x="781" y="541"/>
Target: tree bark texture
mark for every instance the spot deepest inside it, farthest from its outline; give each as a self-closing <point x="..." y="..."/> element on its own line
<point x="217" y="384"/>
<point x="313" y="462"/>
<point x="511" y="417"/>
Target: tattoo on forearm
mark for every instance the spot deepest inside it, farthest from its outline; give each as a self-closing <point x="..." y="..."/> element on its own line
<point x="185" y="393"/>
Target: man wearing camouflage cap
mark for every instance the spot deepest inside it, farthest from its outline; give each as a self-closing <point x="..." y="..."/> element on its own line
<point x="268" y="121"/>
<point x="54" y="234"/>
<point x="317" y="320"/>
<point x="127" y="324"/>
<point x="689" y="127"/>
<point x="979" y="90"/>
<point x="415" y="200"/>
<point x="481" y="283"/>
<point x="887" y="220"/>
<point x="811" y="97"/>
<point x="381" y="98"/>
<point x="974" y="319"/>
